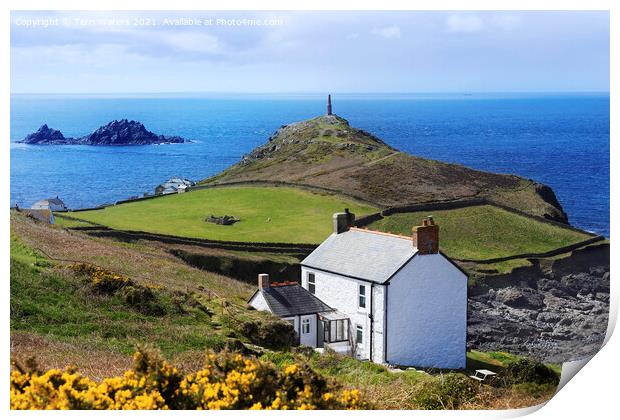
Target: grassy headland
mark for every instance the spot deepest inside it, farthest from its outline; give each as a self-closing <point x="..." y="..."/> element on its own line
<point x="328" y="152"/>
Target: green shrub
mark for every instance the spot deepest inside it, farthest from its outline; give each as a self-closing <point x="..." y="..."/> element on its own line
<point x="534" y="390"/>
<point x="142" y="299"/>
<point x="269" y="333"/>
<point x="448" y="393"/>
<point x="527" y="370"/>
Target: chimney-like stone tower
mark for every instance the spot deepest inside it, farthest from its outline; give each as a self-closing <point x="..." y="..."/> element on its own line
<point x="426" y="237"/>
<point x="329" y="104"/>
<point x="263" y="281"/>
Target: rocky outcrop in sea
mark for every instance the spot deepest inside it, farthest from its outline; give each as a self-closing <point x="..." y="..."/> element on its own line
<point x="45" y="135"/>
<point x="115" y="133"/>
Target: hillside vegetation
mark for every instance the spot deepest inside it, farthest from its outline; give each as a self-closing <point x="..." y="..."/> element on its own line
<point x="268" y="214"/>
<point x="327" y="152"/>
<point x="484" y="232"/>
<point x="89" y="303"/>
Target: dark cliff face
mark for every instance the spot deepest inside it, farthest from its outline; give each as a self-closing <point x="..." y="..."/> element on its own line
<point x="115" y="133"/>
<point x="556" y="212"/>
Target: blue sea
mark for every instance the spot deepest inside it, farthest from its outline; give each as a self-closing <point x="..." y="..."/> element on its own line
<point x="559" y="139"/>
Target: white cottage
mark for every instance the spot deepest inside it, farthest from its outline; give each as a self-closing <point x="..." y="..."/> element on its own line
<point x="393" y="299"/>
<point x="53" y="204"/>
<point x="292" y="303"/>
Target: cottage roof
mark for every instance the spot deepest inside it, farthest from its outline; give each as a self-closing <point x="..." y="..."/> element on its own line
<point x="51" y="201"/>
<point x="362" y="254"/>
<point x="57" y="201"/>
<point x="169" y="190"/>
<point x="291" y="299"/>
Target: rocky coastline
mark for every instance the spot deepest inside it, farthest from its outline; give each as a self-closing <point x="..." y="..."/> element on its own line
<point x="555" y="310"/>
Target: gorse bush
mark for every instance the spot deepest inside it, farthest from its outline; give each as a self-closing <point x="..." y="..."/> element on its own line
<point x="533" y="389"/>
<point x="227" y="381"/>
<point x="527" y="370"/>
<point x="135" y="295"/>
<point x="102" y="280"/>
<point x="447" y="393"/>
<point x="273" y="333"/>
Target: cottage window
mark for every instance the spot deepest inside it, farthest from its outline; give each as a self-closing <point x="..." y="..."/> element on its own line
<point x="336" y="330"/>
<point x="305" y="326"/>
<point x="311" y="283"/>
<point x="359" y="338"/>
<point x="362" y="296"/>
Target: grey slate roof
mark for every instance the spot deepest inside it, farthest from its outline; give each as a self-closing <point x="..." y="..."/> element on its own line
<point x="362" y="254"/>
<point x="57" y="201"/>
<point x="292" y="300"/>
<point x="48" y="201"/>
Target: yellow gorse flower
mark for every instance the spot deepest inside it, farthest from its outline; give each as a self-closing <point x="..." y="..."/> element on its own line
<point x="227" y="381"/>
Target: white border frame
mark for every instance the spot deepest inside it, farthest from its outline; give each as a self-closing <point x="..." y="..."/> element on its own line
<point x="591" y="394"/>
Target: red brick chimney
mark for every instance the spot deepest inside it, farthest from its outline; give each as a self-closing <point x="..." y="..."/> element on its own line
<point x="426" y="237"/>
<point x="263" y="281"/>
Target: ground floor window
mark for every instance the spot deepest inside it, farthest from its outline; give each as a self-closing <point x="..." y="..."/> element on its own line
<point x="336" y="330"/>
<point x="359" y="338"/>
<point x="305" y="326"/>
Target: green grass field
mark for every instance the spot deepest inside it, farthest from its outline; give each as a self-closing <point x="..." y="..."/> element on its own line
<point x="483" y="232"/>
<point x="268" y="214"/>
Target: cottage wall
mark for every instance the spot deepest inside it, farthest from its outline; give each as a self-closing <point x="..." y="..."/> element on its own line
<point x="427" y="314"/>
<point x="310" y="338"/>
<point x="259" y="303"/>
<point x="341" y="293"/>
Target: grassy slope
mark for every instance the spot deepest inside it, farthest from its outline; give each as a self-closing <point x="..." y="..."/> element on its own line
<point x="56" y="304"/>
<point x="483" y="232"/>
<point x="268" y="214"/>
<point x="58" y="319"/>
<point x="397" y="390"/>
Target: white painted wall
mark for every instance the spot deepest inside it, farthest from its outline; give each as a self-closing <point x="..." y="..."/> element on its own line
<point x="293" y="320"/>
<point x="427" y="314"/>
<point x="310" y="338"/>
<point x="258" y="302"/>
<point x="341" y="293"/>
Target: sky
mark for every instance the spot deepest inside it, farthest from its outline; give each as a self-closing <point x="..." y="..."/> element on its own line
<point x="281" y="52"/>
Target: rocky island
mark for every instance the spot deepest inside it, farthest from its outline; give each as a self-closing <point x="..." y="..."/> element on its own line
<point x="115" y="133"/>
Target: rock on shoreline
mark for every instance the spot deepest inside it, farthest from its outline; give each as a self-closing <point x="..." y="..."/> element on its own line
<point x="555" y="311"/>
<point x="115" y="133"/>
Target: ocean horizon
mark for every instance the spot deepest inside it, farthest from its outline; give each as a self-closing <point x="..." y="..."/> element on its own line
<point x="559" y="139"/>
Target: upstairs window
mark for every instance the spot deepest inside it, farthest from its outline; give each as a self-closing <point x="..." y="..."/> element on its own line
<point x="359" y="337"/>
<point x="362" y="297"/>
<point x="311" y="283"/>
